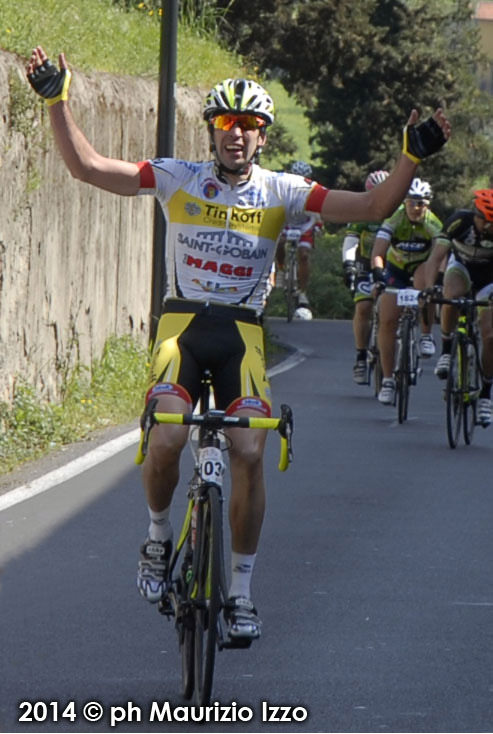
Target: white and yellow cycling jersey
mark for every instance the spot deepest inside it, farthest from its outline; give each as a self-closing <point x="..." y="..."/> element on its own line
<point x="221" y="239"/>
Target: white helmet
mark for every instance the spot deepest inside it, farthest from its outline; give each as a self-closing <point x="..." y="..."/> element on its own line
<point x="374" y="178"/>
<point x="239" y="96"/>
<point x="301" y="169"/>
<point x="419" y="190"/>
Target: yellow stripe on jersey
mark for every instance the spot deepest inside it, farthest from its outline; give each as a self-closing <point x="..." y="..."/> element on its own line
<point x="186" y="209"/>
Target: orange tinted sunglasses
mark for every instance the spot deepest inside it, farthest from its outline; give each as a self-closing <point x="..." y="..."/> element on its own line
<point x="246" y="122"/>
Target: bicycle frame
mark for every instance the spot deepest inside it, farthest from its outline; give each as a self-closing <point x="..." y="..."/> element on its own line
<point x="197" y="586"/>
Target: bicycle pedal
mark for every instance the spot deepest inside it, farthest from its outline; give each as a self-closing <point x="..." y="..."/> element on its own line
<point x="165" y="607"/>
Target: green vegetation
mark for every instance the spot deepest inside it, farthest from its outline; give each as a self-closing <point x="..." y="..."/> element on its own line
<point x="328" y="296"/>
<point x="109" y="393"/>
<point x="125" y="42"/>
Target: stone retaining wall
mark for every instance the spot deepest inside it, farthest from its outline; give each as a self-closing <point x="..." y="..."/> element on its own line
<point x="75" y="262"/>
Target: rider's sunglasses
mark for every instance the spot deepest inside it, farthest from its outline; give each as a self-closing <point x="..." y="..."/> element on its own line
<point x="417" y="202"/>
<point x="246" y="122"/>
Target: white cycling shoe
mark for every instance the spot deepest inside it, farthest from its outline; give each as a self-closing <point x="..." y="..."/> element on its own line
<point x="386" y="396"/>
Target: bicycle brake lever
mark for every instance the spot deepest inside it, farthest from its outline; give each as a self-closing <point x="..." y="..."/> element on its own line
<point x="147" y="421"/>
<point x="286" y="427"/>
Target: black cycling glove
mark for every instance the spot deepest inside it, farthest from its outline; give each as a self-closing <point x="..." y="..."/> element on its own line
<point x="422" y="140"/>
<point x="50" y="83"/>
<point x="378" y="277"/>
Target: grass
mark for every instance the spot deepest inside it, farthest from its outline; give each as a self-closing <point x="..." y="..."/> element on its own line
<point x="96" y="34"/>
<point x="99" y="35"/>
<point x="110" y="393"/>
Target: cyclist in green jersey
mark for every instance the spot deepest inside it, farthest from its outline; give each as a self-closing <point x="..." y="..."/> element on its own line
<point x="356" y="255"/>
<point x="401" y="249"/>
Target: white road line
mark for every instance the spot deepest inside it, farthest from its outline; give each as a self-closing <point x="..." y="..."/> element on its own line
<point x="101" y="453"/>
<point x="77" y="466"/>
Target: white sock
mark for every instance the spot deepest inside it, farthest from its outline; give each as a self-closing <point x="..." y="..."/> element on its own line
<point x="241" y="574"/>
<point x="160" y="526"/>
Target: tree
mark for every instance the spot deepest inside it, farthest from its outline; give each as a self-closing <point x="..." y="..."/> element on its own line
<point x="360" y="66"/>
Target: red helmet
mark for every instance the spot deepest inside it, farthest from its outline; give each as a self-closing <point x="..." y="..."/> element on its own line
<point x="483" y="201"/>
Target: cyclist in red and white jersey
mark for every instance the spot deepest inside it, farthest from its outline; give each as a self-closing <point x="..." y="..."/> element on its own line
<point x="309" y="228"/>
<point x="224" y="218"/>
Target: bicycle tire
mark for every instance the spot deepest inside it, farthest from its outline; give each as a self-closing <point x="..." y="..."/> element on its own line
<point x="403" y="372"/>
<point x="453" y="394"/>
<point x="291" y="287"/>
<point x="207" y="604"/>
<point x="377" y="375"/>
<point x="185" y="626"/>
<point x="473" y="381"/>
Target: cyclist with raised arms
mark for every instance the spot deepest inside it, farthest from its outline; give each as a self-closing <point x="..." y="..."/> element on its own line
<point x="356" y="262"/>
<point x="224" y="218"/>
<point x="309" y="227"/>
<point x="467" y="237"/>
<point x="402" y="245"/>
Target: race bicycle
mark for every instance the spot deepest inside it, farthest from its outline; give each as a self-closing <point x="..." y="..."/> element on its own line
<point x="197" y="590"/>
<point x="407" y="367"/>
<point x="465" y="372"/>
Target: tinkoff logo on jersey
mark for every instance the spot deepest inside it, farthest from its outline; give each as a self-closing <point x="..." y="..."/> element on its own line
<point x="247" y="220"/>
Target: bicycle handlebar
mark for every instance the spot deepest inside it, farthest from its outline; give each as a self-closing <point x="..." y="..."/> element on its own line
<point x="216" y="420"/>
<point x="460" y="301"/>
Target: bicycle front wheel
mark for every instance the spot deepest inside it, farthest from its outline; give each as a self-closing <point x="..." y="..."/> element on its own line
<point x="453" y="393"/>
<point x="207" y="604"/>
<point x="403" y="373"/>
<point x="185" y="626"/>
<point x="291" y="287"/>
<point x="472" y="383"/>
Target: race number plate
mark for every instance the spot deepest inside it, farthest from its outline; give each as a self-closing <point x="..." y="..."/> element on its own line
<point x="407" y="297"/>
<point x="211" y="464"/>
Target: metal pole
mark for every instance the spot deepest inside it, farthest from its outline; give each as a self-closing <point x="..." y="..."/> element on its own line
<point x="165" y="146"/>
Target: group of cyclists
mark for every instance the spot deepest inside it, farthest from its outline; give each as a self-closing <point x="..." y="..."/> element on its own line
<point x="413" y="248"/>
<point x="224" y="219"/>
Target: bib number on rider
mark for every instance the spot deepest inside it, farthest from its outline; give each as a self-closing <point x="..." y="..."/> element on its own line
<point x="211" y="464"/>
<point x="407" y="297"/>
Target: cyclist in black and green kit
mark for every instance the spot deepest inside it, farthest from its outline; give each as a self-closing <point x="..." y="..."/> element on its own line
<point x="356" y="254"/>
<point x="401" y="248"/>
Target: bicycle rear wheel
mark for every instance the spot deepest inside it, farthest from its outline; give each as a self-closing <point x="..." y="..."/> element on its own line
<point x="472" y="382"/>
<point x="403" y="373"/>
<point x="207" y="604"/>
<point x="453" y="394"/>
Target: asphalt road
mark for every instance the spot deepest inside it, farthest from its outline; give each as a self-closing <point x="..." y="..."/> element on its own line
<point x="373" y="580"/>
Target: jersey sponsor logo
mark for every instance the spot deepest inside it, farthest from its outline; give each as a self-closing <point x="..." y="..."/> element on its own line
<point x="209" y="286"/>
<point x="412" y="246"/>
<point x="224" y="268"/>
<point x="192" y="209"/>
<point x="215" y="213"/>
<point x="223" y="244"/>
<point x="210" y="189"/>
